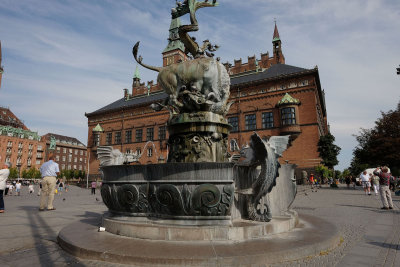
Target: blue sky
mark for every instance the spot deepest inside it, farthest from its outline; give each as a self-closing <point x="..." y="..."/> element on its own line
<point x="63" y="58"/>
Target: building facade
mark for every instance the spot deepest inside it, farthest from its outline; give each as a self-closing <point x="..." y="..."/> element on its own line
<point x="69" y="152"/>
<point x="18" y="145"/>
<point x="270" y="97"/>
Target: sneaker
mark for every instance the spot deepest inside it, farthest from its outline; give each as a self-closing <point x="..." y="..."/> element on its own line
<point x="390" y="208"/>
<point x="384" y="208"/>
<point x="41" y="209"/>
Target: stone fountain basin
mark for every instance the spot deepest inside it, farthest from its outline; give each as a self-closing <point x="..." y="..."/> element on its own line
<point x="174" y="193"/>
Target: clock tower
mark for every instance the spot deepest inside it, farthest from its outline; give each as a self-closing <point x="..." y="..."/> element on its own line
<point x="175" y="50"/>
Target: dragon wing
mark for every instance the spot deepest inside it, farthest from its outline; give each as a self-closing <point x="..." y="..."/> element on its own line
<point x="109" y="156"/>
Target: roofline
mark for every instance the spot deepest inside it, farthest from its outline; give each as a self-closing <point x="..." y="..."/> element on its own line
<point x="123" y="107"/>
<point x="310" y="71"/>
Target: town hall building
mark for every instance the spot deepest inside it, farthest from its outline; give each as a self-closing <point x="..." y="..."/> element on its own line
<point x="270" y="98"/>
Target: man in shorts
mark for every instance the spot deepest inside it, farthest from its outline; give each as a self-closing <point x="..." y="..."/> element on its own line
<point x="366" y="183"/>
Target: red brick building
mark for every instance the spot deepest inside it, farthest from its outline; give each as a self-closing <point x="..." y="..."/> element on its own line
<point x="271" y="98"/>
<point x="18" y="145"/>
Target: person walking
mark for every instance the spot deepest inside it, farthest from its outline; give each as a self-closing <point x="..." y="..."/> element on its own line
<point x="18" y="188"/>
<point x="94" y="185"/>
<point x="4" y="173"/>
<point x="375" y="183"/>
<point x="384" y="182"/>
<point x="365" y="179"/>
<point x="60" y="186"/>
<point x="49" y="171"/>
<point x="31" y="190"/>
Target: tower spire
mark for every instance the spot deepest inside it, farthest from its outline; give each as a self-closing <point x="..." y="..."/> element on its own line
<point x="276" y="33"/>
<point x="276" y="42"/>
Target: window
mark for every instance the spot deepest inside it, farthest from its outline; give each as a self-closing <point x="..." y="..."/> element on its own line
<point x="70" y="150"/>
<point x="76" y="152"/>
<point x="250" y="121"/>
<point x="9" y="144"/>
<point x="96" y="140"/>
<point x="233" y="145"/>
<point x="57" y="158"/>
<point x="31" y="146"/>
<point x="37" y="162"/>
<point x="268" y="120"/>
<point x="82" y="150"/>
<point x="150" y="152"/>
<point x="64" y="150"/>
<point x="20" y="145"/>
<point x="128" y="136"/>
<point x="108" y="139"/>
<point x="138" y="151"/>
<point x="69" y="158"/>
<point x="162" y="132"/>
<point x="150" y="134"/>
<point x="128" y="151"/>
<point x="58" y="149"/>
<point x="303" y="83"/>
<point x="234" y="122"/>
<point x="118" y="138"/>
<point x="288" y="116"/>
<point x="63" y="158"/>
<point x="29" y="162"/>
<point x="139" y="133"/>
<point x="80" y="159"/>
<point x="75" y="160"/>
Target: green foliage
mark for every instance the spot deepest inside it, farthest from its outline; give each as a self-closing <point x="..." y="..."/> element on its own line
<point x="13" y="173"/>
<point x="380" y="145"/>
<point x="323" y="171"/>
<point x="346" y="173"/>
<point x="328" y="151"/>
<point x="31" y="173"/>
<point x="338" y="174"/>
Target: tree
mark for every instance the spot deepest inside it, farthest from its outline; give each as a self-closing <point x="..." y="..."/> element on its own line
<point x="13" y="173"/>
<point x="328" y="151"/>
<point x="380" y="145"/>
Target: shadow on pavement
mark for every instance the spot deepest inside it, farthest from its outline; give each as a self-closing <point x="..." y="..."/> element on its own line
<point x="91" y="218"/>
<point x="385" y="245"/>
<point x="42" y="232"/>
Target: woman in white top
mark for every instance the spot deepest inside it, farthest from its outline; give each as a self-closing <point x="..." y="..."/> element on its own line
<point x="4" y="173"/>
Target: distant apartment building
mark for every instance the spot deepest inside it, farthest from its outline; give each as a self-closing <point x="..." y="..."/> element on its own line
<point x="18" y="145"/>
<point x="69" y="152"/>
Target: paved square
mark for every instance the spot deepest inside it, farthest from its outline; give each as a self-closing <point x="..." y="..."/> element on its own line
<point x="371" y="236"/>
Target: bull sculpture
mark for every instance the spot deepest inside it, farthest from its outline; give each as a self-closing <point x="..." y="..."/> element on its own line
<point x="200" y="84"/>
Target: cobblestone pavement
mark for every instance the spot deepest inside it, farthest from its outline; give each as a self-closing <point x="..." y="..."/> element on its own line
<point x="369" y="236"/>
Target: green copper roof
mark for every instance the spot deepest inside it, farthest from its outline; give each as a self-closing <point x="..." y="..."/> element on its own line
<point x="288" y="99"/>
<point x="137" y="73"/>
<point x="173" y="41"/>
<point x="276" y="39"/>
<point x="18" y="132"/>
<point x="98" y="128"/>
